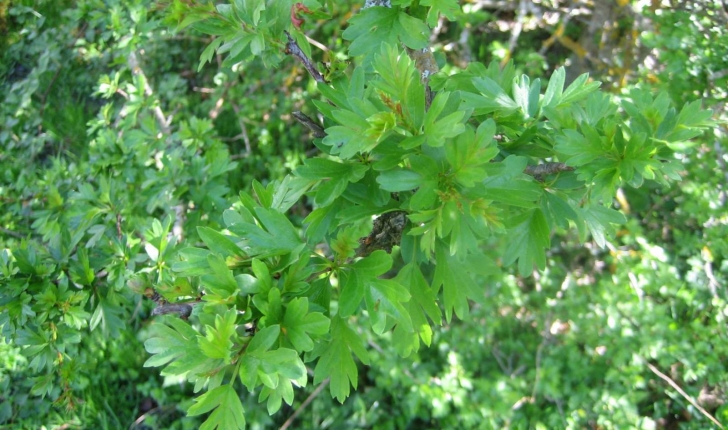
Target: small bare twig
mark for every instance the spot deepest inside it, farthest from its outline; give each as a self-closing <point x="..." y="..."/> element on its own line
<point x="305" y="403"/>
<point x="669" y="380"/>
<point x="539" y="353"/>
<point x="516" y="32"/>
<point x="14" y="234"/>
<point x="682" y="392"/>
<point x="540" y="170"/>
<point x="317" y="44"/>
<point x="292" y="48"/>
<point x="179" y="222"/>
<point x="136" y="69"/>
<point x="243" y="129"/>
<point x="310" y="124"/>
<point x="118" y="226"/>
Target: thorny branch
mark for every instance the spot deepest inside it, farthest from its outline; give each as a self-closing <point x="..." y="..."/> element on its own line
<point x="540" y="170"/>
<point x="292" y="48"/>
<point x="183" y="310"/>
<point x="310" y="124"/>
<point x="386" y="233"/>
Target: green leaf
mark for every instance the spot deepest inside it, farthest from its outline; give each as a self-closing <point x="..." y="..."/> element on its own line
<point x="321" y="168"/>
<point x="578" y="90"/>
<point x="385" y="297"/>
<point x="289" y="192"/>
<point x="454" y="276"/>
<point x="217" y="343"/>
<point x="422" y="306"/>
<point x="351" y="137"/>
<point x="209" y="51"/>
<point x="228" y="410"/>
<point x="469" y="154"/>
<point x="219" y="243"/>
<point x="578" y="149"/>
<point x="319" y="221"/>
<point x="557" y="209"/>
<point x="288" y="366"/>
<point x="399" y="78"/>
<point x="264" y="339"/>
<point x="494" y="98"/>
<point x="437" y="128"/>
<point x="170" y="343"/>
<point x="352" y="292"/>
<point x="447" y="8"/>
<point x="109" y="316"/>
<point x="264" y="195"/>
<point x="552" y="97"/>
<point x="529" y="238"/>
<point x="298" y="323"/>
<point x="600" y="221"/>
<point x="375" y="26"/>
<point x="286" y="236"/>
<point x="219" y="279"/>
<point x="399" y="179"/>
<point x="336" y="361"/>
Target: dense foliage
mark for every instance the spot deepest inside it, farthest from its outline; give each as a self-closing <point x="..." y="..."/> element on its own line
<point x="446" y="250"/>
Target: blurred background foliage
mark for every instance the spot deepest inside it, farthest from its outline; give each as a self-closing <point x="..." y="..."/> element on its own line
<point x="106" y="126"/>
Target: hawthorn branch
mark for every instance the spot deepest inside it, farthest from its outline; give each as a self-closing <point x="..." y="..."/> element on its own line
<point x="183" y="309"/>
<point x="540" y="170"/>
<point x="310" y="124"/>
<point x="386" y="233"/>
<point x="426" y="64"/>
<point x="292" y="48"/>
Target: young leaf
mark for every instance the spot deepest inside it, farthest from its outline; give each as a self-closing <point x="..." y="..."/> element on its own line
<point x="217" y="343"/>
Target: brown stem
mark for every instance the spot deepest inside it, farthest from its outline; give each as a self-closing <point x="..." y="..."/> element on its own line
<point x="292" y="48"/>
<point x="386" y="233"/>
<point x="310" y="124"/>
<point x="183" y="310"/>
<point x="540" y="170"/>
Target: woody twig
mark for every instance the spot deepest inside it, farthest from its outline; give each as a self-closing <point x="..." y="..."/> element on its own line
<point x="310" y="124"/>
<point x="292" y="48"/>
<point x="540" y="170"/>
